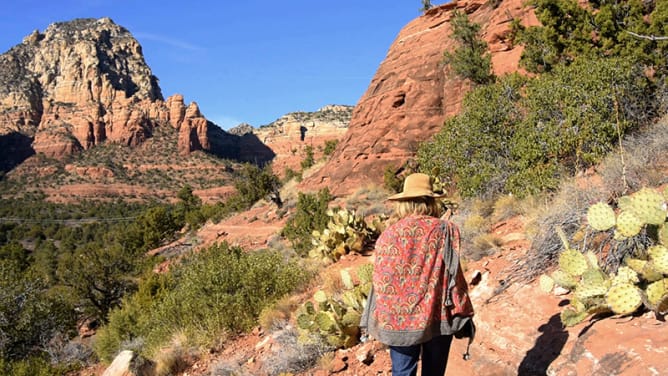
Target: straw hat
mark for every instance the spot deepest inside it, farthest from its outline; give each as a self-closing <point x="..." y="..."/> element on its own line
<point x="416" y="185"/>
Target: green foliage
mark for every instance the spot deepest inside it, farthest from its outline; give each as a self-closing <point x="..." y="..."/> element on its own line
<point x="310" y="215"/>
<point x="426" y="5"/>
<point x="308" y="160"/>
<point x="336" y="319"/>
<point x="330" y="146"/>
<point x="290" y="174"/>
<point x="570" y="31"/>
<point x="253" y="184"/>
<point x="391" y="181"/>
<point x="218" y="290"/>
<point x="472" y="151"/>
<point x="471" y="60"/>
<point x="30" y="314"/>
<point x="523" y="135"/>
<point x="98" y="276"/>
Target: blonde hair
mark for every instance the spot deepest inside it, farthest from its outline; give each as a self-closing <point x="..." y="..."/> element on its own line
<point x="417" y="206"/>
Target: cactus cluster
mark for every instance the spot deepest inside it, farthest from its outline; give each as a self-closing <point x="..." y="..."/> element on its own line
<point x="336" y="319"/>
<point x="346" y="232"/>
<point x="645" y="207"/>
<point x="640" y="282"/>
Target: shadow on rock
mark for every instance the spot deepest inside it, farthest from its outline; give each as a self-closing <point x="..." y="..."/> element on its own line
<point x="547" y="348"/>
<point x="14" y="149"/>
<point x="243" y="148"/>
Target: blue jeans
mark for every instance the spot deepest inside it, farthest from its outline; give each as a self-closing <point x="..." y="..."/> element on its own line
<point x="434" y="357"/>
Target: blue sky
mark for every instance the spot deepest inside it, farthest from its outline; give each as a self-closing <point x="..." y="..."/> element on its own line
<point x="247" y="60"/>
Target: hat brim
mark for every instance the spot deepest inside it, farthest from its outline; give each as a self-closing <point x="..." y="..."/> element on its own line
<point x="414" y="194"/>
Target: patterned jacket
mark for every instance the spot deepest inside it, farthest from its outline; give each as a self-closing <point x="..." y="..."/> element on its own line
<point x="415" y="295"/>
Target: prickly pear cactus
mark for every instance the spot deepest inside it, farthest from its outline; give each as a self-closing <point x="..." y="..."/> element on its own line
<point x="641" y="282"/>
<point x="336" y="318"/>
<point x="346" y="232"/>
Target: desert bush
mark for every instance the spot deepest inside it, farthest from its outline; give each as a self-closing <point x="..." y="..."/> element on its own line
<point x="471" y="59"/>
<point x="30" y="316"/>
<point x="308" y="160"/>
<point x="603" y="28"/>
<point x="330" y="146"/>
<point x="290" y="355"/>
<point x="311" y="214"/>
<point x="523" y="137"/>
<point x="219" y="290"/>
<point x="252" y="184"/>
<point x="640" y="162"/>
<point x="505" y="207"/>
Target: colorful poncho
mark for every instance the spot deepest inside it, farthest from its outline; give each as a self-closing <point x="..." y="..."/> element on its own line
<point x="409" y="303"/>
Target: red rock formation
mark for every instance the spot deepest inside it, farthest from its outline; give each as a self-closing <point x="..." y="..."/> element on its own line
<point x="412" y="93"/>
<point x="85" y="82"/>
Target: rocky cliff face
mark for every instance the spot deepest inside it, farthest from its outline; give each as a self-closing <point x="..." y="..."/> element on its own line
<point x="412" y="93"/>
<point x="84" y="82"/>
<point x="288" y="136"/>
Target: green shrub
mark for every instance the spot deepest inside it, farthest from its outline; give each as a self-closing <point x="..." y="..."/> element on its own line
<point x="522" y="135"/>
<point x="569" y="31"/>
<point x="308" y="160"/>
<point x="391" y="181"/>
<point x="472" y="151"/>
<point x="471" y="60"/>
<point x="220" y="290"/>
<point x="311" y="214"/>
<point x="330" y="146"/>
<point x="253" y="184"/>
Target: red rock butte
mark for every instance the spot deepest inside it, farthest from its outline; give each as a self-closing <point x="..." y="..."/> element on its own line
<point x="412" y="93"/>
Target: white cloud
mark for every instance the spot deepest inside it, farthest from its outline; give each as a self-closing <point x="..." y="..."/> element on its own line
<point x="169" y="41"/>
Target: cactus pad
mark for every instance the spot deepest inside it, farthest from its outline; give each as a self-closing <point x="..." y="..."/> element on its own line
<point x="347" y="279"/>
<point x="628" y="224"/>
<point x="594" y="276"/>
<point x="636" y="264"/>
<point x="304" y="321"/>
<point x="656" y="291"/>
<point x="659" y="256"/>
<point x="625" y="275"/>
<point x="648" y="206"/>
<point x="564" y="279"/>
<point x="625" y="203"/>
<point x="601" y="217"/>
<point x="572" y="262"/>
<point x="546" y="283"/>
<point x="586" y="291"/>
<point x="570" y="317"/>
<point x="663" y="234"/>
<point x="624" y="299"/>
<point x="320" y="296"/>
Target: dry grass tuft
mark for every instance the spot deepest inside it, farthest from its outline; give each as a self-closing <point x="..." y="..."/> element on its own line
<point x="642" y="162"/>
<point x="174" y="359"/>
<point x="483" y="245"/>
<point x="506" y="207"/>
<point x="293" y="354"/>
<point x="277" y="316"/>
